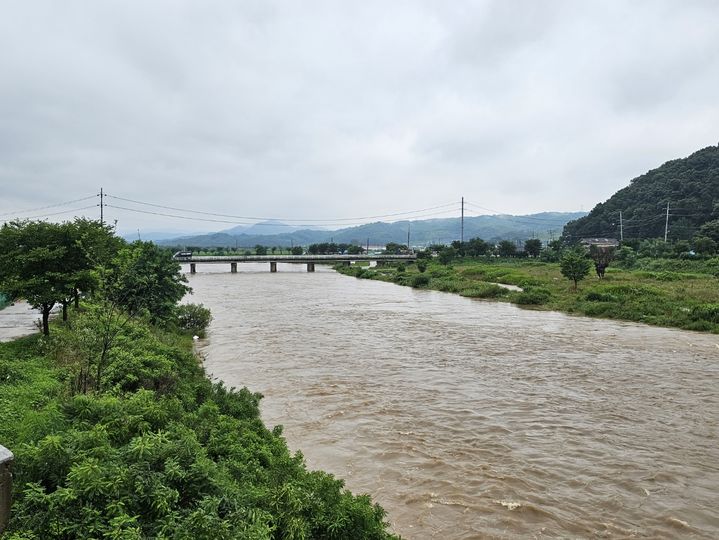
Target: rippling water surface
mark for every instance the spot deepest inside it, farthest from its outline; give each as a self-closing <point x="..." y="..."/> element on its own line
<point x="471" y="419"/>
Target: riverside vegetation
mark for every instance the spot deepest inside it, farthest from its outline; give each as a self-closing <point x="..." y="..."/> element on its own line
<point x="119" y="434"/>
<point x="665" y="292"/>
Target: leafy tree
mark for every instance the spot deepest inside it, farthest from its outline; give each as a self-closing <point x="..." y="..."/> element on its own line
<point x="355" y="250"/>
<point x="507" y="248"/>
<point x="392" y="248"/>
<point x="297" y="250"/>
<point x="533" y="247"/>
<point x="711" y="228"/>
<point x="193" y="318"/>
<point x="476" y="247"/>
<point x="260" y="250"/>
<point x="33" y="257"/>
<point x="575" y="266"/>
<point x="422" y="265"/>
<point x="447" y="255"/>
<point x="626" y="257"/>
<point x="704" y="245"/>
<point x="145" y="278"/>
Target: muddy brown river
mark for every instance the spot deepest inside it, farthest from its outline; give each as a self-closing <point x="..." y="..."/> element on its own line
<point x="471" y="419"/>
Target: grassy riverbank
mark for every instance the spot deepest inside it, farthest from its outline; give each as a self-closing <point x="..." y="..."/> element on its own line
<point x="161" y="452"/>
<point x="683" y="294"/>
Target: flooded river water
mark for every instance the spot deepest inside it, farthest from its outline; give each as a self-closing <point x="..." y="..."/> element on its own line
<point x="470" y="419"/>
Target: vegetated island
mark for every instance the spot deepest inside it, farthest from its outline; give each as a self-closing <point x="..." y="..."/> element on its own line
<point x="672" y="293"/>
<point x="116" y="430"/>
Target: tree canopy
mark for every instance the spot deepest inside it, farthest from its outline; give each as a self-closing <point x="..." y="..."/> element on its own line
<point x="689" y="185"/>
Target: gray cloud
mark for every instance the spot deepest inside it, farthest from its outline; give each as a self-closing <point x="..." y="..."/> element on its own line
<point x="327" y="109"/>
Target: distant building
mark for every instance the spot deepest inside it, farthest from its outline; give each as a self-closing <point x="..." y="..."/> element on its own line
<point x="599" y="242"/>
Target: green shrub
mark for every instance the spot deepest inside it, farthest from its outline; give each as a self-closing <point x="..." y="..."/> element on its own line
<point x="485" y="290"/>
<point x="419" y="280"/>
<point x="193" y="318"/>
<point x="706" y="312"/>
<point x="597" y="296"/>
<point x="533" y="297"/>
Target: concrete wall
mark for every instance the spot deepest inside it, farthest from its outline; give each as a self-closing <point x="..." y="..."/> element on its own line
<point x="6" y="459"/>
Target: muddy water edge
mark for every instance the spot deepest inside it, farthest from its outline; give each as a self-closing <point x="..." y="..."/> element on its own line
<point x="471" y="419"/>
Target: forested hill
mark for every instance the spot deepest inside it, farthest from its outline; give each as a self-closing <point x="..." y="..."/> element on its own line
<point x="544" y="225"/>
<point x="690" y="186"/>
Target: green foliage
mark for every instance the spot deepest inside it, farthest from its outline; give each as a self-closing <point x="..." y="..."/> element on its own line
<point x="419" y="280"/>
<point x="485" y="290"/>
<point x="163" y="453"/>
<point x="297" y="250"/>
<point x="706" y="312"/>
<point x="447" y="255"/>
<point x="422" y="265"/>
<point x="506" y="248"/>
<point x="704" y="245"/>
<point x="260" y="250"/>
<point x="535" y="296"/>
<point x="145" y="278"/>
<point x="689" y="183"/>
<point x="533" y="247"/>
<point x="392" y="248"/>
<point x="575" y="266"/>
<point x="193" y="318"/>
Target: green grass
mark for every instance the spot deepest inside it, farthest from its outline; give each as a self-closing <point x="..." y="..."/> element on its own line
<point x="671" y="293"/>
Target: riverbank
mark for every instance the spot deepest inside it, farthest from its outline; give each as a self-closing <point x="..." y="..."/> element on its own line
<point x="161" y="452"/>
<point x="18" y="320"/>
<point x="687" y="298"/>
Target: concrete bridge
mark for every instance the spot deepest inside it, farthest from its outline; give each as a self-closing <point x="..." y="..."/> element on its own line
<point x="309" y="260"/>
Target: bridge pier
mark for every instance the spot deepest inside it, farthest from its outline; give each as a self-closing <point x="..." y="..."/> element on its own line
<point x="310" y="267"/>
<point x="346" y="263"/>
<point x="193" y="270"/>
<point x="233" y="268"/>
<point x="273" y="266"/>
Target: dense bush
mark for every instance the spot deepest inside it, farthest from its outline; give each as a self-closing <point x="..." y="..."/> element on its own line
<point x="485" y="290"/>
<point x="419" y="280"/>
<point x="193" y="318"/>
<point x="162" y="453"/>
<point x="533" y="297"/>
<point x="706" y="312"/>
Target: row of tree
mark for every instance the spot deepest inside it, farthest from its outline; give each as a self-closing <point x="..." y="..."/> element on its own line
<point x="48" y="264"/>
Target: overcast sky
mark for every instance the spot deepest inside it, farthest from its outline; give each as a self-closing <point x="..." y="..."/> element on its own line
<point x="314" y="110"/>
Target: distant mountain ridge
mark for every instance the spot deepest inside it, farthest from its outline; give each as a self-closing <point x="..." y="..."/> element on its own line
<point x="689" y="185"/>
<point x="422" y="232"/>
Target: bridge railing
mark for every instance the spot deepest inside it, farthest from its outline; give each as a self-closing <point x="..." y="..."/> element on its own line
<point x="290" y="258"/>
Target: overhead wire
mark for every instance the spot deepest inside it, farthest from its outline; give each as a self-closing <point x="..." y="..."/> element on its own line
<point x="259" y="218"/>
<point x="235" y="222"/>
<point x="17" y="212"/>
<point x="58" y="213"/>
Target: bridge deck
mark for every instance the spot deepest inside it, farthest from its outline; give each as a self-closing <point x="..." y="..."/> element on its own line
<point x="294" y="258"/>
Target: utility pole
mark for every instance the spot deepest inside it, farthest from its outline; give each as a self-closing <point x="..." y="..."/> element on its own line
<point x="621" y="227"/>
<point x="102" y="204"/>
<point x="461" y="236"/>
<point x="367" y="252"/>
<point x="666" y="224"/>
<point x="408" y="228"/>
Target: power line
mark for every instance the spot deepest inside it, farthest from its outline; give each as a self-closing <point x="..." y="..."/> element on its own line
<point x="258" y="218"/>
<point x="213" y="220"/>
<point x="62" y="212"/>
<point x="16" y="212"/>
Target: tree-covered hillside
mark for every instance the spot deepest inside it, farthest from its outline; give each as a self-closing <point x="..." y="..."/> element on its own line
<point x="690" y="186"/>
<point x="422" y="232"/>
